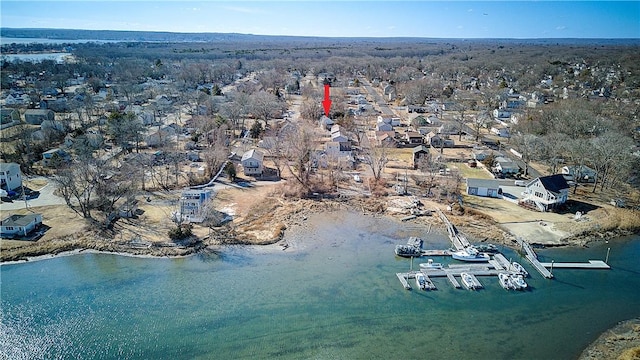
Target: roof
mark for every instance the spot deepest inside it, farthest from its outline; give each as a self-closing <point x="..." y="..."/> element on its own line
<point x="554" y="183"/>
<point x="20" y="220"/>
<point x="420" y="148"/>
<point x="253" y="154"/>
<point x="8" y="166"/>
<point x="483" y="183"/>
<point x="37" y="111"/>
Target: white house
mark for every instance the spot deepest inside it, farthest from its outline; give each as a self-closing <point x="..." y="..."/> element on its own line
<point x="579" y="173"/>
<point x="10" y="176"/>
<point x="393" y="121"/>
<point x="19" y="225"/>
<point x="252" y="162"/>
<point x="193" y="204"/>
<point x="547" y="192"/>
<point x="483" y="187"/>
<point x="506" y="166"/>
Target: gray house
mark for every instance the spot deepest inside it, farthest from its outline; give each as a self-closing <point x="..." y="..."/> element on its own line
<point x="483" y="187"/>
<point x="15" y="226"/>
<point x="37" y="116"/>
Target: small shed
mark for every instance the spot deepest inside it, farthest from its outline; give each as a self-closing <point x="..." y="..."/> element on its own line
<point x="483" y="187"/>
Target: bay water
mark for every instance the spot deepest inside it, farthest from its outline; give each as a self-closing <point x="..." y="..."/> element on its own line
<point x="332" y="294"/>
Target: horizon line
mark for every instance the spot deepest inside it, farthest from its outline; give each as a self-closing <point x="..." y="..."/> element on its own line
<point x="323" y="36"/>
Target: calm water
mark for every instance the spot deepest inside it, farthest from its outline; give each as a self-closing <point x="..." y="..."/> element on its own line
<point x="332" y="295"/>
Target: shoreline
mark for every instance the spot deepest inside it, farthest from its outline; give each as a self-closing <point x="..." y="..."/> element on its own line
<point x="621" y="341"/>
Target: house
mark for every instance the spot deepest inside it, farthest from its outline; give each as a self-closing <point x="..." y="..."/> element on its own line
<point x="419" y="152"/>
<point x="160" y="136"/>
<point x="393" y="121"/>
<point x="252" y="162"/>
<point x="384" y="127"/>
<point x="387" y="140"/>
<point x="438" y="141"/>
<point x="547" y="192"/>
<point x="10" y="176"/>
<point x="193" y="204"/>
<point x="37" y="116"/>
<point x="49" y="157"/>
<point x="483" y="187"/>
<point x="326" y="123"/>
<point x="15" y="226"/>
<point x="339" y="145"/>
<point x="413" y="137"/>
<point x="506" y="166"/>
<point x="8" y="116"/>
<point x="579" y="173"/>
<point x="481" y="154"/>
<point x="500" y="131"/>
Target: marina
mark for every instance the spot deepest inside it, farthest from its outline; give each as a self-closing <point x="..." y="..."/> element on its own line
<point x="474" y="263"/>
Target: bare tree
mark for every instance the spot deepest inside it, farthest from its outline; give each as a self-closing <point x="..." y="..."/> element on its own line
<point x="377" y="158"/>
<point x="266" y="106"/>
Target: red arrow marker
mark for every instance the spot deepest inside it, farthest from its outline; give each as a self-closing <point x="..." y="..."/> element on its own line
<point x="326" y="103"/>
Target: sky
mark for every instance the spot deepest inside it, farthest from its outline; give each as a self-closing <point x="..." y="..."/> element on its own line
<point x="432" y="19"/>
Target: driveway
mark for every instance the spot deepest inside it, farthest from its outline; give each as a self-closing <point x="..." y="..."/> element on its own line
<point x="46" y="198"/>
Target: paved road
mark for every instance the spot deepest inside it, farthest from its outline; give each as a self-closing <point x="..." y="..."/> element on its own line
<point x="378" y="99"/>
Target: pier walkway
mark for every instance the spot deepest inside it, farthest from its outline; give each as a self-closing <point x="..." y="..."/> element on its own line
<point x="533" y="258"/>
<point x="459" y="241"/>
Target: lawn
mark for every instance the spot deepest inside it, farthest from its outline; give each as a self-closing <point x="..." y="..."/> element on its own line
<point x="469" y="172"/>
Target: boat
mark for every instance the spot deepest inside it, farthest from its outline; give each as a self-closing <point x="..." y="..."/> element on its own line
<point x="430" y="265"/>
<point x="518" y="282"/>
<point x="421" y="281"/>
<point x="470" y="254"/>
<point x="467" y="280"/>
<point x="488" y="248"/>
<point x="416" y="242"/>
<point x="505" y="281"/>
<point x="408" y="251"/>
<point x="519" y="269"/>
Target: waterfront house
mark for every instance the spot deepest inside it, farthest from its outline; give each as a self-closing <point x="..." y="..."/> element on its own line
<point x="547" y="192"/>
<point x="193" y="204"/>
<point x="15" y="226"/>
<point x="10" y="176"/>
<point x="252" y="162"/>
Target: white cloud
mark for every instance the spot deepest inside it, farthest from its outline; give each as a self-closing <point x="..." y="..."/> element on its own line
<point x="561" y="27"/>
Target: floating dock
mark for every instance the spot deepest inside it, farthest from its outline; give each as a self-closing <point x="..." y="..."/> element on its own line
<point x="404" y="281"/>
<point x="592" y="264"/>
<point x="453" y="281"/>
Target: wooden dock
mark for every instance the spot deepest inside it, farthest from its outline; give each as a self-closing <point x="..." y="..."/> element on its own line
<point x="592" y="264"/>
<point x="453" y="281"/>
<point x="458" y="240"/>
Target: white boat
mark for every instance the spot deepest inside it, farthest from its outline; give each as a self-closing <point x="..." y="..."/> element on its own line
<point x="470" y="254"/>
<point x="430" y="265"/>
<point x="519" y="269"/>
<point x="421" y="281"/>
<point x="505" y="281"/>
<point x="518" y="282"/>
<point x="467" y="280"/>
